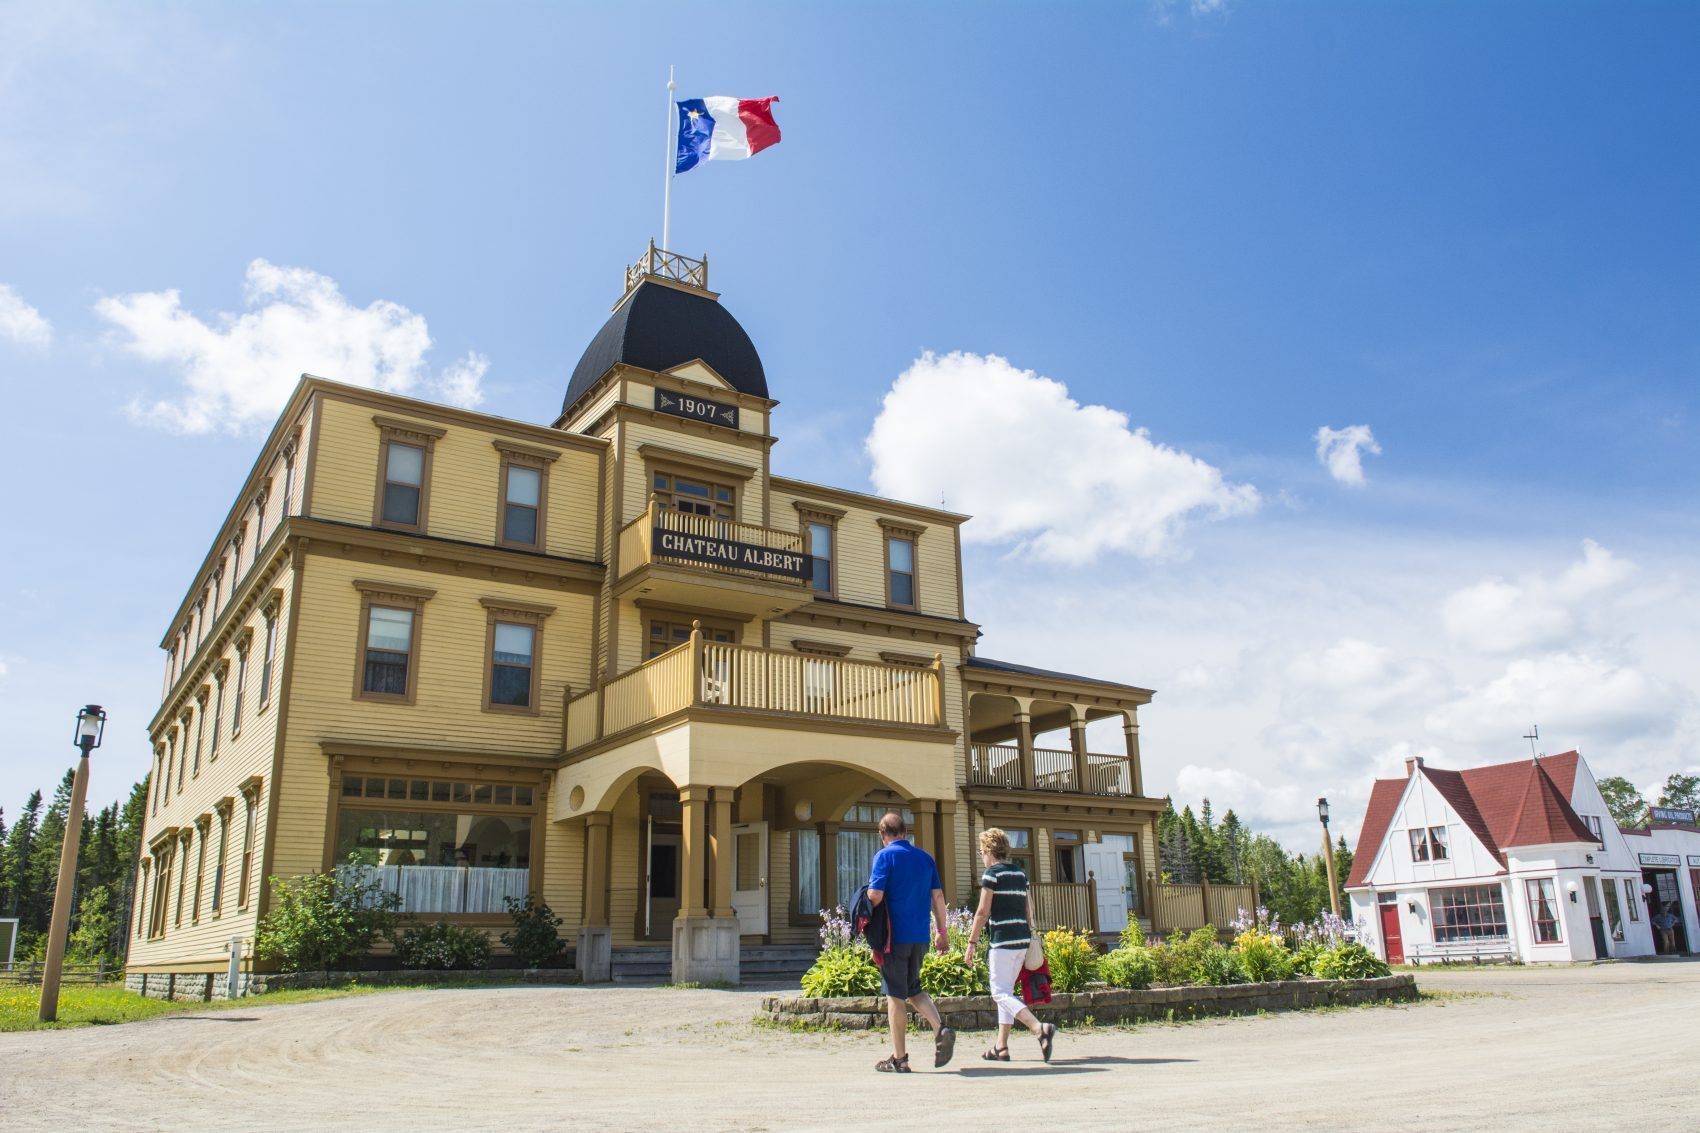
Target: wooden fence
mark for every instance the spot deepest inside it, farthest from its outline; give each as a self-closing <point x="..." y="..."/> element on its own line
<point x="1188" y="907"/>
<point x="1065" y="904"/>
<point x="93" y="974"/>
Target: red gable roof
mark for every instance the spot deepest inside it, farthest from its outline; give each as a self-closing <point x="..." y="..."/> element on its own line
<point x="1526" y="803"/>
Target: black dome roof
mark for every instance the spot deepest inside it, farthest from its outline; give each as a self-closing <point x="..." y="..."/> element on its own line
<point x="659" y="327"/>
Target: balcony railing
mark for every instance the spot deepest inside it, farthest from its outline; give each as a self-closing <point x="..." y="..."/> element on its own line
<point x="667" y="265"/>
<point x="722" y="546"/>
<point x="999" y="765"/>
<point x="716" y="675"/>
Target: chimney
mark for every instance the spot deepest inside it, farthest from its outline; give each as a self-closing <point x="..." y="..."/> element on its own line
<point x="1412" y="762"/>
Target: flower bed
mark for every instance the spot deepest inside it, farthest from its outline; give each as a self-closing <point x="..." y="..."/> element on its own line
<point x="1160" y="1004"/>
<point x="1109" y="1005"/>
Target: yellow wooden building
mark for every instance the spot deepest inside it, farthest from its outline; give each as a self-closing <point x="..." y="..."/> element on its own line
<point x="612" y="662"/>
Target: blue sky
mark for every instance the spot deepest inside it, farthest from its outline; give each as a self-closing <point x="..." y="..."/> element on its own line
<point x="1468" y="228"/>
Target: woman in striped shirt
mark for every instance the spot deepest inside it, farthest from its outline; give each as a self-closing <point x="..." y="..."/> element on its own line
<point x="1006" y="910"/>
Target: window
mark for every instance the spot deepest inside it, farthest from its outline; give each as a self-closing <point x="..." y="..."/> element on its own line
<point x="236" y="557"/>
<point x="668" y="635"/>
<point x="288" y="484"/>
<point x="1066" y="846"/>
<point x="200" y="619"/>
<point x="1593" y="821"/>
<point x="387" y="664"/>
<point x="218" y="711"/>
<point x="1614" y="914"/>
<point x="268" y="657"/>
<point x="404" y="472"/>
<point x="513" y="673"/>
<point x="389" y="651"/>
<point x="524" y="495"/>
<point x="141" y="896"/>
<point x="1437" y="842"/>
<point x="468" y="858"/>
<point x="856" y="844"/>
<point x="900" y="571"/>
<point x="158" y="776"/>
<point x="200" y="871"/>
<point x="1467" y="912"/>
<point x="164" y="858"/>
<point x="200" y="728"/>
<point x="1543" y="910"/>
<point x="820" y="557"/>
<point x="1419" y="845"/>
<point x="521" y="499"/>
<point x="183" y="755"/>
<point x="252" y="802"/>
<point x="259" y="524"/>
<point x="696" y="497"/>
<point x="223" y="852"/>
<point x="241" y="682"/>
<point x="1020" y="850"/>
<point x="217" y="587"/>
<point x="1631" y="899"/>
<point x="182" y="879"/>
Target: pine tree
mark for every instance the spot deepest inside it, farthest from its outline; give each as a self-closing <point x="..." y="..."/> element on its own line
<point x="42" y="869"/>
<point x="15" y="859"/>
<point x="1233" y="846"/>
<point x="5" y="878"/>
<point x="128" y="854"/>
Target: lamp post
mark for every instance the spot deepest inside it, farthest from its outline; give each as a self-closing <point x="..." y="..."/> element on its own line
<point x="91" y="722"/>
<point x="1328" y="856"/>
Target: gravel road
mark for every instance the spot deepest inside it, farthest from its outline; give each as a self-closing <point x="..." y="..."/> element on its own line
<point x="1597" y="1048"/>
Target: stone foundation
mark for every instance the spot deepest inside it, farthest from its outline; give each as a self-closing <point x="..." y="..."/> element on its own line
<point x="705" y="950"/>
<point x="1110" y="1005"/>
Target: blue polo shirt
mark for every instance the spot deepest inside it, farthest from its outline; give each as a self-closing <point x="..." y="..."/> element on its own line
<point x="907" y="876"/>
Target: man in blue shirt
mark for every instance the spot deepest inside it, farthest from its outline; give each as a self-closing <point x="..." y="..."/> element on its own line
<point x="906" y="879"/>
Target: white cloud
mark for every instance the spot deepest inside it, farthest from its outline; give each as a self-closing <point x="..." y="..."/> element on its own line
<point x="1065" y="482"/>
<point x="1606" y="703"/>
<point x="21" y="322"/>
<point x="238" y="370"/>
<point x="1341" y="452"/>
<point x="1535" y="611"/>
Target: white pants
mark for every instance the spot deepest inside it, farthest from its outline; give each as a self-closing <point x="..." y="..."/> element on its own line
<point x="1005" y="965"/>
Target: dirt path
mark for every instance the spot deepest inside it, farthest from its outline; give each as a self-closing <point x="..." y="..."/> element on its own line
<point x="1600" y="1048"/>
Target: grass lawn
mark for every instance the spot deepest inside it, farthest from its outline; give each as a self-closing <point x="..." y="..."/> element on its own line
<point x="85" y="1006"/>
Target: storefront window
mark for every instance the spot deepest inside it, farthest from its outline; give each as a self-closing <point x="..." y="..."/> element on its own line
<point x="439" y="861"/>
<point x="1614" y="914"/>
<point x="1543" y="910"/>
<point x="1467" y="912"/>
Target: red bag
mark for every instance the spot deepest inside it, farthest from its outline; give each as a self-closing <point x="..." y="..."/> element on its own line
<point x="1035" y="984"/>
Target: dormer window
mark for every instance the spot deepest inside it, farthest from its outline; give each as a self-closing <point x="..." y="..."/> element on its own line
<point x="1419" y="845"/>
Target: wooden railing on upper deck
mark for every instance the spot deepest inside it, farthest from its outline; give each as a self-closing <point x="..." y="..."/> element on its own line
<point x="714" y="674"/>
<point x="1054" y="769"/>
<point x="637" y="537"/>
<point x="667" y="265"/>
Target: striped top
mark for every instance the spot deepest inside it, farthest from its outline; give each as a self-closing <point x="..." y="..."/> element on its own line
<point x="1007" y="924"/>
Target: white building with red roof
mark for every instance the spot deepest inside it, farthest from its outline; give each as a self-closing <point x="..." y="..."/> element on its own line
<point x="1511" y="861"/>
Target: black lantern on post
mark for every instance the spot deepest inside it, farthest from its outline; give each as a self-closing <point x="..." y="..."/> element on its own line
<point x="91" y="724"/>
<point x="1328" y="857"/>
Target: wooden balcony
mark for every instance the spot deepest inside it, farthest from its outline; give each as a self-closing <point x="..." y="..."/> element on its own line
<point x="1000" y="765"/>
<point x="715" y="676"/>
<point x="715" y="563"/>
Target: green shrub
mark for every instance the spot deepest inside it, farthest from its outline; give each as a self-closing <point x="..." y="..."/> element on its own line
<point x="443" y="946"/>
<point x="843" y="971"/>
<point x="1264" y="957"/>
<point x="535" y="939"/>
<point x="321" y="921"/>
<point x="1129" y="966"/>
<point x="1351" y="961"/>
<point x="1180" y="960"/>
<point x="1218" y="966"/>
<point x="1073" y="960"/>
<point x="947" y="973"/>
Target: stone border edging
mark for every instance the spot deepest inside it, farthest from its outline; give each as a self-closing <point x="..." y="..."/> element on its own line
<point x="1110" y="1005"/>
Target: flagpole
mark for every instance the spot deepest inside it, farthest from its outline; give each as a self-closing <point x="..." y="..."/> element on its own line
<point x="667" y="191"/>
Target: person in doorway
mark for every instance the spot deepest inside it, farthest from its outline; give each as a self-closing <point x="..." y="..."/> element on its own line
<point x="1006" y="913"/>
<point x="1665" y="922"/>
<point x="906" y="880"/>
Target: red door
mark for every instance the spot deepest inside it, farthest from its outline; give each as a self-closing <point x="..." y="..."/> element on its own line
<point x="1390" y="934"/>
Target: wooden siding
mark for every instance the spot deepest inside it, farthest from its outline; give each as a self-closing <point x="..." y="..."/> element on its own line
<point x="861" y="554"/>
<point x="465" y="479"/>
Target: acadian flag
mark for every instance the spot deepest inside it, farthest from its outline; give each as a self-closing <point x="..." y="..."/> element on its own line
<point x="723" y="129"/>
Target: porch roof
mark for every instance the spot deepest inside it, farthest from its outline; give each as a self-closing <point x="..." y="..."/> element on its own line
<point x="1037" y="676"/>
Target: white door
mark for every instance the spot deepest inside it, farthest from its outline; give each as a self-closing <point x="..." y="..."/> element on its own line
<point x="1104" y="866"/>
<point x="749" y="877"/>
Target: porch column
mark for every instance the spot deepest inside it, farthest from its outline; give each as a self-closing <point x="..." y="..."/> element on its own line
<point x="720" y="846"/>
<point x="594" y="954"/>
<point x="1024" y="744"/>
<point x="1077" y="743"/>
<point x="828" y="832"/>
<point x="1130" y="729"/>
<point x="946" y="854"/>
<point x="923" y="833"/>
<point x="693" y="851"/>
